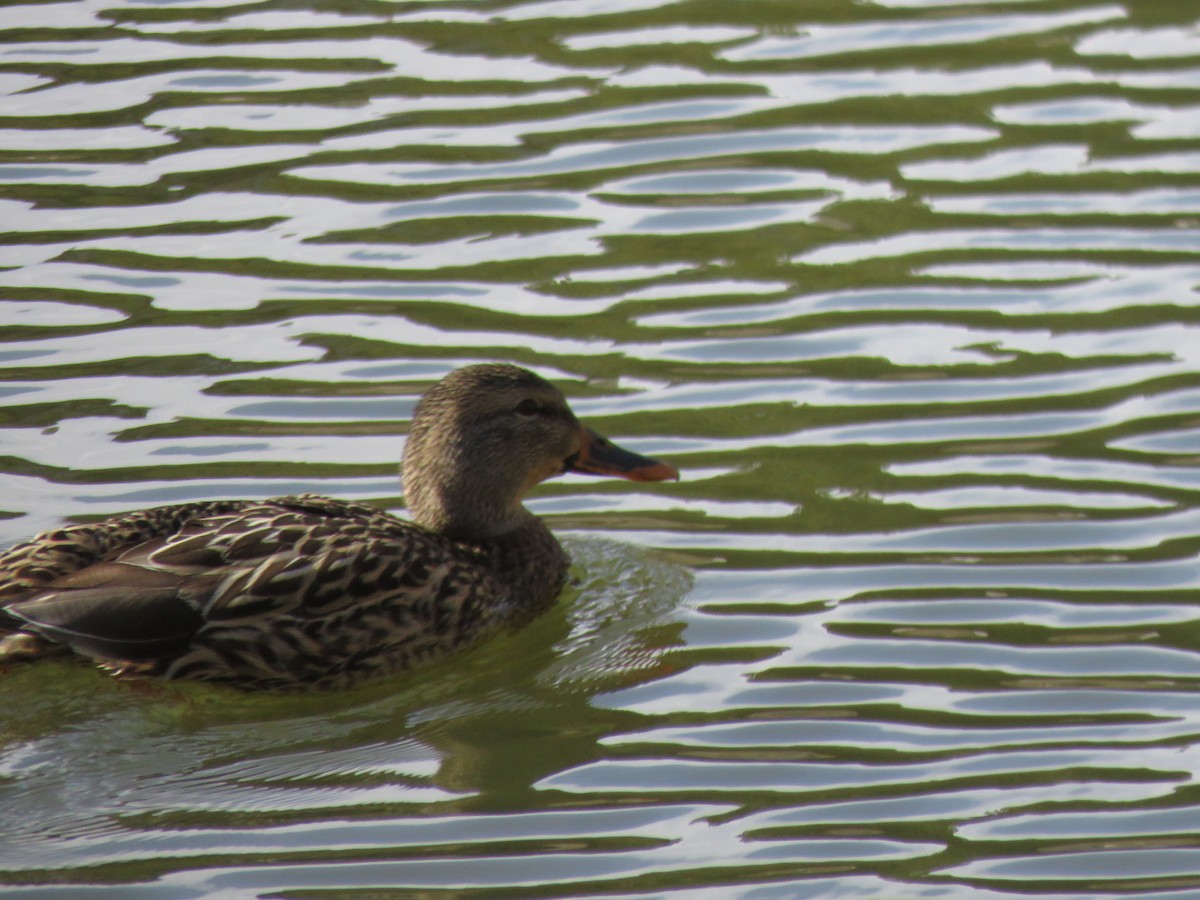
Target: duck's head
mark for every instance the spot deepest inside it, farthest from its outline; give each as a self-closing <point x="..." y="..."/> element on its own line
<point x="484" y="435"/>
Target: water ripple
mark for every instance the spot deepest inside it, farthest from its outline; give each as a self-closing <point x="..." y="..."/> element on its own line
<point x="906" y="289"/>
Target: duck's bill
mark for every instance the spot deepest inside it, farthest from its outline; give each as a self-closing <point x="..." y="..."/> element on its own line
<point x="601" y="456"/>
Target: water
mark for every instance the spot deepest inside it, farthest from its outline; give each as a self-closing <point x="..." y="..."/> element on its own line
<point x="907" y="289"/>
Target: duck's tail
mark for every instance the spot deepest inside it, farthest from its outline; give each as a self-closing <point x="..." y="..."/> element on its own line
<point x="21" y="646"/>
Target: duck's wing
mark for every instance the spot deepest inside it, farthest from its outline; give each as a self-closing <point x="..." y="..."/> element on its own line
<point x="112" y="611"/>
<point x="29" y="567"/>
<point x="60" y="575"/>
<point x="301" y="557"/>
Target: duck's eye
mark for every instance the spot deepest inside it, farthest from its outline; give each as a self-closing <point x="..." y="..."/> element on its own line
<point x="527" y="407"/>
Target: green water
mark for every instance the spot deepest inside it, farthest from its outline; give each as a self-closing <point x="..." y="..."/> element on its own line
<point x="906" y="289"/>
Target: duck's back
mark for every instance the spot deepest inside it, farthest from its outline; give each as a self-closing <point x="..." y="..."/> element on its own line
<point x="280" y="593"/>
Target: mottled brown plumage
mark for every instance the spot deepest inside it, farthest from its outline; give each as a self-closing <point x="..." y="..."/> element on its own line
<point x="309" y="591"/>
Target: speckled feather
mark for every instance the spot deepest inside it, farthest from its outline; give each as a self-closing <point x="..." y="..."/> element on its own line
<point x="312" y="592"/>
<point x="294" y="590"/>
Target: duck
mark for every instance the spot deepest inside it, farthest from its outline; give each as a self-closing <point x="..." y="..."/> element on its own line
<point x="308" y="591"/>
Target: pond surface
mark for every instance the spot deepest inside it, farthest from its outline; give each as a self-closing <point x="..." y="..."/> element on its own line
<point x="906" y="288"/>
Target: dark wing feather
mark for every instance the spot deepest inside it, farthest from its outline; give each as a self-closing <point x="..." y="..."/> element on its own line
<point x="133" y="623"/>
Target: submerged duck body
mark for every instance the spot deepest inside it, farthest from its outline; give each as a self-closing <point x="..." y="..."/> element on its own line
<point x="309" y="591"/>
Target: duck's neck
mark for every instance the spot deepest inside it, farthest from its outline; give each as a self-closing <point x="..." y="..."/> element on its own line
<point x="463" y="503"/>
<point x="482" y="524"/>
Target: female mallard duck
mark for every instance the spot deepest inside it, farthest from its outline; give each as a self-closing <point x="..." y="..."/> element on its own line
<point x="309" y="591"/>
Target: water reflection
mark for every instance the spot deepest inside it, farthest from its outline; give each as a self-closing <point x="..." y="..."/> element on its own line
<point x="822" y="40"/>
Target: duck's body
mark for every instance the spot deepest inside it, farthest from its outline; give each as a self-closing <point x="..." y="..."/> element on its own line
<point x="279" y="593"/>
<point x="310" y="591"/>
